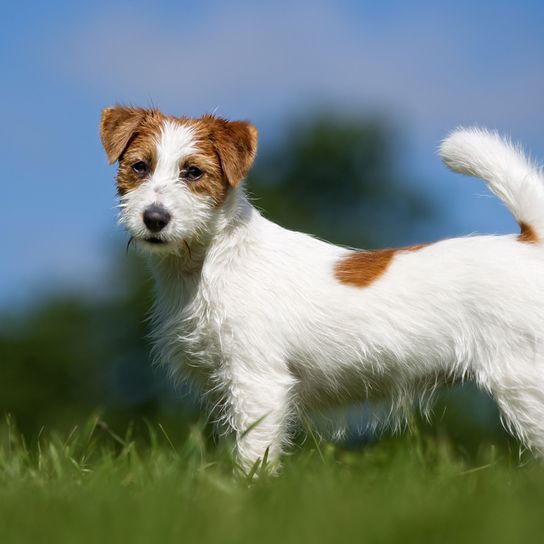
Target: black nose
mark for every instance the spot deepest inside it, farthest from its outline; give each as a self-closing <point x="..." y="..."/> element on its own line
<point x="156" y="218"/>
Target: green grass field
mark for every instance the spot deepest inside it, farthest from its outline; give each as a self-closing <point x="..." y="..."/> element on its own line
<point x="95" y="486"/>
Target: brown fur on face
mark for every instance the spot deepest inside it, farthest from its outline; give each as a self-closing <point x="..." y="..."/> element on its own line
<point x="226" y="152"/>
<point x="226" y="149"/>
<point x="361" y="268"/>
<point x="143" y="147"/>
<point x="118" y="126"/>
<point x="235" y="142"/>
<point x="129" y="135"/>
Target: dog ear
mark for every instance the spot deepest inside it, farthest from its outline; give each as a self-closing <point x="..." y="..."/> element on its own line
<point x="236" y="144"/>
<point x="117" y="126"/>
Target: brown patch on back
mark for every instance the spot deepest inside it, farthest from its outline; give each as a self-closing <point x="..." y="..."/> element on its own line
<point x="361" y="268"/>
<point x="527" y="233"/>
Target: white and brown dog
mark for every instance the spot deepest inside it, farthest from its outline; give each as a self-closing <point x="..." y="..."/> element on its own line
<point x="272" y="323"/>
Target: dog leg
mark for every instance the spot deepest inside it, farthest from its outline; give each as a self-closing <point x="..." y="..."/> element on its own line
<point x="520" y="396"/>
<point x="259" y="403"/>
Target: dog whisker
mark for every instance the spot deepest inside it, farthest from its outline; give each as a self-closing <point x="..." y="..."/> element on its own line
<point x="188" y="248"/>
<point x="130" y="240"/>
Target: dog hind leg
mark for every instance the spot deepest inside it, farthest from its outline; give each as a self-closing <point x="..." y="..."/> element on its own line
<point x="519" y="393"/>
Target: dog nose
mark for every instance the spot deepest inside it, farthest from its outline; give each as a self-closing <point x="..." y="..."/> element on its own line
<point x="156" y="218"/>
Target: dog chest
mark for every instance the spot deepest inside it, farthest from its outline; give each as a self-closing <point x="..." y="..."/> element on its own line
<point x="187" y="330"/>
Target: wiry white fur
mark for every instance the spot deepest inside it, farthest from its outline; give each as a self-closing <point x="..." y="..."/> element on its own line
<point x="508" y="172"/>
<point x="257" y="317"/>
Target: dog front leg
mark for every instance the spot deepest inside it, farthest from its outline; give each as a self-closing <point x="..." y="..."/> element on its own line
<point x="260" y="404"/>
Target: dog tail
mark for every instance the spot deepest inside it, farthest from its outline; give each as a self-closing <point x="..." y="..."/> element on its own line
<point x="506" y="170"/>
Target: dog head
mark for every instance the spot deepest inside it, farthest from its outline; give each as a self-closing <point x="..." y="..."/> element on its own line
<point x="174" y="174"/>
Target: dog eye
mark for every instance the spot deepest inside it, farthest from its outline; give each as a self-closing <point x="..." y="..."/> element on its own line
<point x="140" y="167"/>
<point x="192" y="173"/>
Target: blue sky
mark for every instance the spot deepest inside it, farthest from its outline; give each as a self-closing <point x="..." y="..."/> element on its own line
<point x="430" y="66"/>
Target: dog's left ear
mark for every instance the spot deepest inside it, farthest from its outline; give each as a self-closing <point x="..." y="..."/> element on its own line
<point x="236" y="145"/>
<point x="117" y="126"/>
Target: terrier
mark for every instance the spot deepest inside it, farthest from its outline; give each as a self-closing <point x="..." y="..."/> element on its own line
<point x="272" y="323"/>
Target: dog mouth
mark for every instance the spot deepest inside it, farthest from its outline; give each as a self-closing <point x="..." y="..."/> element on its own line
<point x="154" y="241"/>
<point x="157" y="242"/>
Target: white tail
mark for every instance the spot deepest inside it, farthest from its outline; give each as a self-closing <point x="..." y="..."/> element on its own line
<point x="505" y="168"/>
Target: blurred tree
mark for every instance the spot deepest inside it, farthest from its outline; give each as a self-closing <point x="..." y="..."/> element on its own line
<point x="70" y="355"/>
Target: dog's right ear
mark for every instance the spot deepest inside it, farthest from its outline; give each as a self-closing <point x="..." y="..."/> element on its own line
<point x="117" y="126"/>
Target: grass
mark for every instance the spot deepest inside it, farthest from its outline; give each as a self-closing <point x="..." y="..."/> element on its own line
<point x="96" y="486"/>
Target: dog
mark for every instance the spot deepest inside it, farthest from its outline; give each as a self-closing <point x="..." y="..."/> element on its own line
<point x="273" y="323"/>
